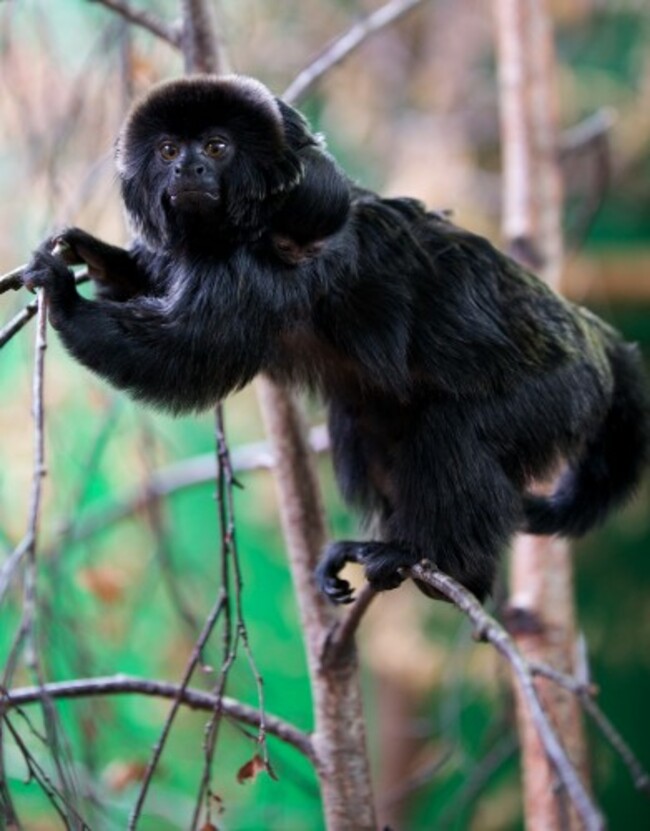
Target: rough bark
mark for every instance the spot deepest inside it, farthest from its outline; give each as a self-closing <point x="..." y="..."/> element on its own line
<point x="541" y="607"/>
<point x="339" y="735"/>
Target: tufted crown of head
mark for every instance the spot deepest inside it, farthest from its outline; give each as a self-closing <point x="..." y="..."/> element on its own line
<point x="265" y="167"/>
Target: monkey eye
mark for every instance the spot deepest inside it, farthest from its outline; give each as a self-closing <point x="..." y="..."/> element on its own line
<point x="215" y="147"/>
<point x="168" y="151"/>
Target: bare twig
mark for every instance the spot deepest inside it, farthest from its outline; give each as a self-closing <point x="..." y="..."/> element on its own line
<point x="590" y="139"/>
<point x="68" y="813"/>
<point x="17" y="322"/>
<point x="39" y="472"/>
<point x="227" y="553"/>
<point x="640" y="776"/>
<point x="486" y="628"/>
<point x="12" y="280"/>
<point x="192" y="698"/>
<point x="145" y="19"/>
<point x="591" y="129"/>
<point x="27" y="313"/>
<point x="26" y="639"/>
<point x="345" y="44"/>
<point x="585" y="693"/>
<point x="231" y="575"/>
<point x="11" y="564"/>
<point x="341" y="639"/>
<point x="187" y="675"/>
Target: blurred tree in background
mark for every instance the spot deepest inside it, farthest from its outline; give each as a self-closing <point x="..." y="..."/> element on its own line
<point x="125" y="582"/>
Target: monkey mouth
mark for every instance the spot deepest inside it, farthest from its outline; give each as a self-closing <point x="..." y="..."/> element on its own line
<point x="193" y="199"/>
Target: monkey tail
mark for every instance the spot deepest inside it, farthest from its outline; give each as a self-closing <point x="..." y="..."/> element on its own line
<point x="612" y="464"/>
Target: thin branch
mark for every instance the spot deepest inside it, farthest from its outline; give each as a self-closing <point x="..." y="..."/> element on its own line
<point x="11" y="564"/>
<point x="487" y="628"/>
<point x="65" y="810"/>
<point x="226" y="472"/>
<point x="345" y="44"/>
<point x="187" y="675"/>
<point x="27" y="313"/>
<point x="585" y="693"/>
<point x="54" y="731"/>
<point x="12" y="280"/>
<point x="230" y="573"/>
<point x="591" y="129"/>
<point x="38" y="474"/>
<point x="145" y="19"/>
<point x="639" y="775"/>
<point x="17" y="322"/>
<point x="26" y="638"/>
<point x="341" y="638"/>
<point x="191" y="698"/>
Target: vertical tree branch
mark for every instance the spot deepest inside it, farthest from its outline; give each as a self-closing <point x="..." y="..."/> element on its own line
<point x="339" y="735"/>
<point x="202" y="48"/>
<point x="542" y="607"/>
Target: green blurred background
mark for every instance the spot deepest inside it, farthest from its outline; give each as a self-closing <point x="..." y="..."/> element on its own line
<point x="414" y="111"/>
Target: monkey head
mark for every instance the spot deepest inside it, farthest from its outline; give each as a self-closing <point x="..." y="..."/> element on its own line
<point x="205" y="148"/>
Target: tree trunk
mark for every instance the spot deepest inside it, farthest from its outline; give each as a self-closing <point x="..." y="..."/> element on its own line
<point x="541" y="606"/>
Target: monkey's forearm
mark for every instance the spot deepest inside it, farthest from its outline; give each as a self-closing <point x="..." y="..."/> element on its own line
<point x="153" y="359"/>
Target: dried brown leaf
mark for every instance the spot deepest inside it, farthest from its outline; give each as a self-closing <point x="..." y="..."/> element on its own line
<point x="253" y="768"/>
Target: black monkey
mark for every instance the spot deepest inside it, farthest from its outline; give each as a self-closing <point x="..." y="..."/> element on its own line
<point x="453" y="377"/>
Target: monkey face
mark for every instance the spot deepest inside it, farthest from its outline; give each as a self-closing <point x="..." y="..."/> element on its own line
<point x="205" y="146"/>
<point x="292" y="253"/>
<point x="193" y="171"/>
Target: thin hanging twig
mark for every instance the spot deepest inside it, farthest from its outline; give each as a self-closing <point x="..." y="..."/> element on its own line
<point x="191" y="665"/>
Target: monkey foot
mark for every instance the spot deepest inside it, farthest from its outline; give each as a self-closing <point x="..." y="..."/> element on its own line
<point x="382" y="562"/>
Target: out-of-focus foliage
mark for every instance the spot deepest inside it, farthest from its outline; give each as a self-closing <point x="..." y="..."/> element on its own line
<point x="415" y="111"/>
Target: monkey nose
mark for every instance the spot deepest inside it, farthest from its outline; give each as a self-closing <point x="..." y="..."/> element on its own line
<point x="184" y="170"/>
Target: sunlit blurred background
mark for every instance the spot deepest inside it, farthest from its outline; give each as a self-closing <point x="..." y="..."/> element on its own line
<point x="413" y="112"/>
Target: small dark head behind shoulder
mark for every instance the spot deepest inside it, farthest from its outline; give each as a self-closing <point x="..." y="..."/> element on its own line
<point x="313" y="212"/>
<point x="207" y="150"/>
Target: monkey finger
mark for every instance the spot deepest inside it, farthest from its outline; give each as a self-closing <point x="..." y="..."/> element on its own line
<point x="338" y="591"/>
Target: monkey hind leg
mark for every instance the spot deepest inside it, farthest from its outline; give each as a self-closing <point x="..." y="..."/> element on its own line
<point x="382" y="562"/>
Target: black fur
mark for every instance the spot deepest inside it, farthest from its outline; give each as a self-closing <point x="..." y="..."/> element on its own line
<point x="453" y="377"/>
<point x="318" y="207"/>
<point x="313" y="212"/>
